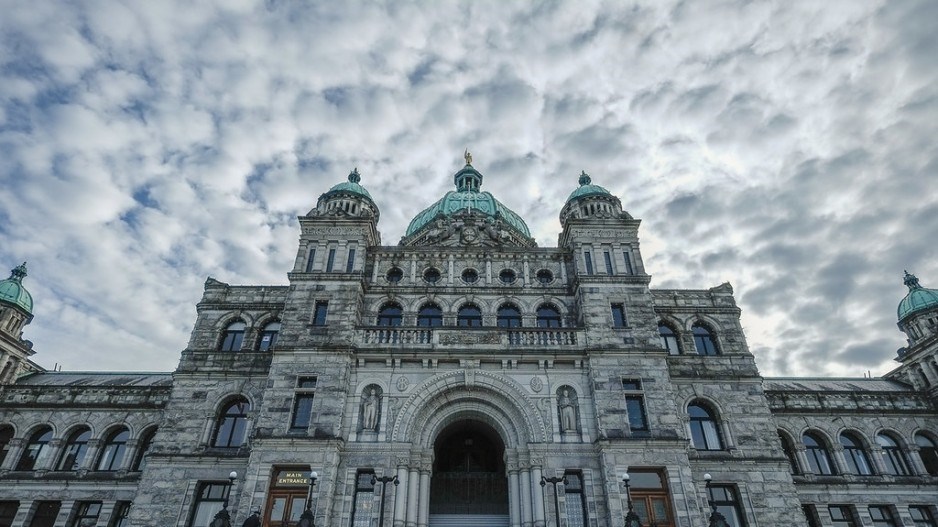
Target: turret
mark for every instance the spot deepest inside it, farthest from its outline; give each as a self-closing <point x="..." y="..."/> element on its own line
<point x="16" y="310"/>
<point x="918" y="318"/>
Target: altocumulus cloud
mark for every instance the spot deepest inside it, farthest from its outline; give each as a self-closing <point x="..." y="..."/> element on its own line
<point x="786" y="147"/>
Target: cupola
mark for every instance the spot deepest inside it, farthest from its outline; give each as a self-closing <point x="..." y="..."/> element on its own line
<point x="13" y="293"/>
<point x="590" y="201"/>
<point x="918" y="311"/>
<point x="348" y="198"/>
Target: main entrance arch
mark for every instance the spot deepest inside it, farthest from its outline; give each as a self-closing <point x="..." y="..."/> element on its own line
<point x="469" y="471"/>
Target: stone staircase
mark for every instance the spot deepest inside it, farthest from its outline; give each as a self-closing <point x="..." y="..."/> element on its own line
<point x="468" y="520"/>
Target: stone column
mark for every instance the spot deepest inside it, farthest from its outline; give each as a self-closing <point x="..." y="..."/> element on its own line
<point x="17" y="444"/>
<point x="526" y="518"/>
<point x="514" y="496"/>
<point x="91" y="457"/>
<point x="538" y="496"/>
<point x="916" y="465"/>
<point x="413" y="492"/>
<point x="423" y="514"/>
<point x="400" y="497"/>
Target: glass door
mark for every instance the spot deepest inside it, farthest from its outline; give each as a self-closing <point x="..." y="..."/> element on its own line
<point x="284" y="508"/>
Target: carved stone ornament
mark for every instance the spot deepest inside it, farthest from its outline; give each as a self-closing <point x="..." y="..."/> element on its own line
<point x="537" y="384"/>
<point x="402" y="384"/>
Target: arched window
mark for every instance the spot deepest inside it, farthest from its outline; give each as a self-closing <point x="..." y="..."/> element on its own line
<point x="892" y="455"/>
<point x="269" y="337"/>
<point x="508" y="316"/>
<point x="928" y="452"/>
<point x="112" y="454"/>
<point x="857" y="460"/>
<point x="233" y="337"/>
<point x="704" y="430"/>
<point x="819" y="458"/>
<point x="232" y="424"/>
<point x="6" y="435"/>
<point x="430" y="315"/>
<point x="37" y="449"/>
<point x="75" y="449"/>
<point x="789" y="451"/>
<point x="469" y="316"/>
<point x="703" y="340"/>
<point x="390" y="315"/>
<point x="668" y="339"/>
<point x="548" y="316"/>
<point x="143" y="446"/>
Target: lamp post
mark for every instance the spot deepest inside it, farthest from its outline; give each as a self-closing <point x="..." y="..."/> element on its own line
<point x="716" y="519"/>
<point x="554" y="481"/>
<point x="384" y="480"/>
<point x="223" y="518"/>
<point x="308" y="519"/>
<point x="631" y="519"/>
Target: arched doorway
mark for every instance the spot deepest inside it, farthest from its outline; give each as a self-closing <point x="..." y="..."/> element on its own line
<point x="469" y="472"/>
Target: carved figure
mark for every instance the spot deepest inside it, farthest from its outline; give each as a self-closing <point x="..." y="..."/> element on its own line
<point x="370" y="410"/>
<point x="567" y="412"/>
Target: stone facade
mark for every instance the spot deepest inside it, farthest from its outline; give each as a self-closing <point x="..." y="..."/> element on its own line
<point x="405" y="360"/>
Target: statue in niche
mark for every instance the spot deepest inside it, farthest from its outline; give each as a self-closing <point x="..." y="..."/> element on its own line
<point x="370" y="410"/>
<point x="567" y="407"/>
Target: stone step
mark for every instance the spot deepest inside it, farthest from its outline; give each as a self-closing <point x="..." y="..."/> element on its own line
<point x="468" y="520"/>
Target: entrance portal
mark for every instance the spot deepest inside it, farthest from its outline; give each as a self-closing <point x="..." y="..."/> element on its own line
<point x="469" y="472"/>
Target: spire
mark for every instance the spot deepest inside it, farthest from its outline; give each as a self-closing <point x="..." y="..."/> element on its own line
<point x="911" y="281"/>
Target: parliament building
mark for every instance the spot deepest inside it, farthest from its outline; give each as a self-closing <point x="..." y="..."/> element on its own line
<point x="467" y="377"/>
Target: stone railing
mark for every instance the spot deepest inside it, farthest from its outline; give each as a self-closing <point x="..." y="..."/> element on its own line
<point x="487" y="337"/>
<point x="397" y="335"/>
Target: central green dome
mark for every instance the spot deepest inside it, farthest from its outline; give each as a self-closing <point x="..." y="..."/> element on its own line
<point x="13" y="292"/>
<point x="918" y="299"/>
<point x="468" y="198"/>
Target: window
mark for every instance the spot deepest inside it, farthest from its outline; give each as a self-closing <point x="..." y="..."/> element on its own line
<point x="350" y="264"/>
<point x="390" y="315"/>
<point x="608" y="259"/>
<point x="921" y="516"/>
<point x="705" y="435"/>
<point x="469" y="316"/>
<point x="882" y="516"/>
<point x="330" y="262"/>
<point x="121" y="515"/>
<point x="319" y="313"/>
<point x="588" y="258"/>
<point x="143" y="446"/>
<point x="430" y="315"/>
<point x="507" y="276"/>
<point x="669" y="339"/>
<point x="470" y="276"/>
<point x="364" y="504"/>
<point x="233" y="337"/>
<point x="6" y="435"/>
<point x="926" y="450"/>
<point x="432" y="275"/>
<point x="650" y="497"/>
<point x="819" y="459"/>
<point x="269" y="336"/>
<point x="112" y="453"/>
<point x="574" y="499"/>
<point x="810" y="514"/>
<point x="892" y="455"/>
<point x="726" y="502"/>
<point x="618" y="316"/>
<point x="395" y="275"/>
<point x="310" y="259"/>
<point x="303" y="404"/>
<point x="544" y="276"/>
<point x="208" y="502"/>
<point x="508" y="316"/>
<point x="37" y="449"/>
<point x="232" y="424"/>
<point x="548" y="316"/>
<point x="789" y="451"/>
<point x="635" y="406"/>
<point x="87" y="513"/>
<point x="703" y="341"/>
<point x="8" y="512"/>
<point x="46" y="513"/>
<point x="628" y="262"/>
<point x="75" y="449"/>
<point x="857" y="461"/>
<point x="842" y="516"/>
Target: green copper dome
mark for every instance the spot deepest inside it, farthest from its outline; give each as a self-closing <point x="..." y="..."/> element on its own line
<point x="351" y="186"/>
<point x="467" y="197"/>
<point x="587" y="188"/>
<point x="918" y="299"/>
<point x="13" y="292"/>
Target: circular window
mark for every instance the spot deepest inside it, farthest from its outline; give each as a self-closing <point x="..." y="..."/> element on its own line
<point x="470" y="276"/>
<point x="507" y="276"/>
<point x="432" y="275"/>
<point x="544" y="276"/>
<point x="395" y="275"/>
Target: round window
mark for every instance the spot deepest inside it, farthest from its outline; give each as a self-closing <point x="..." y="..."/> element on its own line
<point x="395" y="275"/>
<point x="432" y="275"/>
<point x="507" y="276"/>
<point x="470" y="276"/>
<point x="544" y="276"/>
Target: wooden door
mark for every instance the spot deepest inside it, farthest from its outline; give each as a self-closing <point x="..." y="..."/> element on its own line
<point x="284" y="508"/>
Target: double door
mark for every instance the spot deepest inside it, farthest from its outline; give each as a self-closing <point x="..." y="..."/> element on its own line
<point x="284" y="508"/>
<point x="654" y="508"/>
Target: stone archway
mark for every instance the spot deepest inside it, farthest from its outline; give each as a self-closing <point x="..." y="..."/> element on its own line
<point x="469" y="476"/>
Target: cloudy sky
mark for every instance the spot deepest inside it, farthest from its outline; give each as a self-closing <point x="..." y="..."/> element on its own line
<point x="786" y="147"/>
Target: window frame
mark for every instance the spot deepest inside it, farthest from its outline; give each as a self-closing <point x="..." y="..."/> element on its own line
<point x="883" y="516"/>
<point x="270" y="336"/>
<point x="330" y="260"/>
<point x="731" y="502"/>
<point x="350" y="262"/>
<point x="320" y="313"/>
<point x="36" y="450"/>
<point x="75" y="447"/>
<point x="854" y="452"/>
<point x="894" y="458"/>
<point x="814" y="454"/>
<point x="120" y="517"/>
<point x="310" y="259"/>
<point x="618" y="315"/>
<point x="466" y="318"/>
<point x="788" y="448"/>
<point x="430" y="315"/>
<point x="47" y="510"/>
<point x="588" y="259"/>
<point x="927" y="452"/>
<point x="304" y="394"/>
<point x="552" y="321"/>
<point x="86" y="510"/>
<point x="233" y="339"/>
<point x="635" y="400"/>
<point x="503" y="319"/>
<point x="365" y="491"/>
<point x="628" y="262"/>
<point x="113" y="451"/>
<point x="238" y="426"/>
<point x="698" y="428"/>
<point x="607" y="259"/>
<point x="8" y="510"/>
<point x="705" y="343"/>
<point x="925" y="517"/>
<point x="578" y="493"/>
<point x="664" y="339"/>
<point x="387" y="316"/>
<point x="204" y="499"/>
<point x="138" y="463"/>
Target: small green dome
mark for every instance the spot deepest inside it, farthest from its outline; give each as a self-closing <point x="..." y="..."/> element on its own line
<point x="13" y="292"/>
<point x="918" y="299"/>
<point x="351" y="186"/>
<point x="587" y="188"/>
<point x="467" y="197"/>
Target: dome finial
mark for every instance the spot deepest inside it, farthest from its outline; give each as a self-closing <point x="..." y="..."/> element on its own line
<point x="585" y="178"/>
<point x="911" y="281"/>
<point x="468" y="156"/>
<point x="354" y="176"/>
<point x="18" y="272"/>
